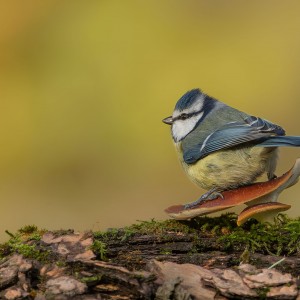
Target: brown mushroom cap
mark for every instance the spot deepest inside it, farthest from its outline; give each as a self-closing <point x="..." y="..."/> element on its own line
<point x="179" y="213"/>
<point x="262" y="211"/>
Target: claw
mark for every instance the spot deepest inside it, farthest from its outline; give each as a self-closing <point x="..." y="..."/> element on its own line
<point x="210" y="195"/>
<point x="215" y="195"/>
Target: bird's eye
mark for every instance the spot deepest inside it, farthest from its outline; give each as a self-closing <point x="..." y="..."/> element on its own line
<point x="183" y="116"/>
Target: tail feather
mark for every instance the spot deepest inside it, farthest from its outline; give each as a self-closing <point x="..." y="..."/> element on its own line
<point x="281" y="141"/>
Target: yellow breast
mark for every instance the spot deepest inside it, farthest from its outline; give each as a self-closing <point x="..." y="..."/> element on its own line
<point x="228" y="169"/>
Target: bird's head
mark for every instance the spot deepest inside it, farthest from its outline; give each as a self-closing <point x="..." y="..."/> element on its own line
<point x="188" y="112"/>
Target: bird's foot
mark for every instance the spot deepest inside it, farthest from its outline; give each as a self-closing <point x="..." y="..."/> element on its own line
<point x="272" y="176"/>
<point x="210" y="195"/>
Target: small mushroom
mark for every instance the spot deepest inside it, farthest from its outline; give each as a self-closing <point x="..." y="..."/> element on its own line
<point x="262" y="212"/>
<point x="253" y="194"/>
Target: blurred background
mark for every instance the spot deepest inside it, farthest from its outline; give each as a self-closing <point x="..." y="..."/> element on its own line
<point x="84" y="86"/>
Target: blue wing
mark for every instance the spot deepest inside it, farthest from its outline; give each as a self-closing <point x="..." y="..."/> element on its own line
<point x="233" y="134"/>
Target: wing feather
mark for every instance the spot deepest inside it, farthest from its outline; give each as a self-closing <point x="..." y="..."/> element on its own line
<point x="233" y="134"/>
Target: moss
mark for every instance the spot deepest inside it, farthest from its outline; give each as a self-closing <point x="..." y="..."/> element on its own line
<point x="61" y="263"/>
<point x="28" y="229"/>
<point x="25" y="242"/>
<point x="205" y="233"/>
<point x="92" y="280"/>
<point x="152" y="227"/>
<point x="158" y="228"/>
<point x="281" y="238"/>
<point x="28" y="251"/>
<point x="214" y="225"/>
<point x="99" y="249"/>
<point x="262" y="292"/>
<point x="112" y="232"/>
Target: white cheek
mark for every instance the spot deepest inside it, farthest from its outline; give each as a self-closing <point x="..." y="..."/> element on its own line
<point x="181" y="128"/>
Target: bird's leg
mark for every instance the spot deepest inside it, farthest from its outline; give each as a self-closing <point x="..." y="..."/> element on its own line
<point x="271" y="176"/>
<point x="210" y="195"/>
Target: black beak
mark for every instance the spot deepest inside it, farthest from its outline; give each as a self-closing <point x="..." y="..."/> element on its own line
<point x="168" y="120"/>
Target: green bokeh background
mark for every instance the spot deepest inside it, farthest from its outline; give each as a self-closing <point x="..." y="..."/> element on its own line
<point x="84" y="86"/>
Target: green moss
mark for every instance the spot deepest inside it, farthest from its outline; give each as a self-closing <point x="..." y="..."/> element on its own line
<point x="61" y="263"/>
<point x="262" y="292"/>
<point x="222" y="233"/>
<point x="24" y="249"/>
<point x="92" y="280"/>
<point x="112" y="232"/>
<point x="214" y="225"/>
<point x="28" y="229"/>
<point x="281" y="238"/>
<point x="205" y="233"/>
<point x="157" y="228"/>
<point x="151" y="227"/>
<point x="99" y="249"/>
<point x="24" y="242"/>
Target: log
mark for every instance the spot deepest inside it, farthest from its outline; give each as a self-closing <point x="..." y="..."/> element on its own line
<point x="206" y="258"/>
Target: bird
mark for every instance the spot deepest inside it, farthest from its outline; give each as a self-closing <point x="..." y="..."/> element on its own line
<point x="222" y="148"/>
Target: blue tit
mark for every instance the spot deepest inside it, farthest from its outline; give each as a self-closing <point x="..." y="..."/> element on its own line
<point x="222" y="148"/>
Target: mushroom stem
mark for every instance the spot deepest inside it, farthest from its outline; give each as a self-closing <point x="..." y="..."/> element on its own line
<point x="265" y="212"/>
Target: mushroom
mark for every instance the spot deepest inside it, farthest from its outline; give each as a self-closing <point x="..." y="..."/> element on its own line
<point x="262" y="212"/>
<point x="261" y="192"/>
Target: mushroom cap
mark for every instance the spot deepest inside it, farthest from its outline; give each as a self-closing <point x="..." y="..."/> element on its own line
<point x="263" y="211"/>
<point x="178" y="212"/>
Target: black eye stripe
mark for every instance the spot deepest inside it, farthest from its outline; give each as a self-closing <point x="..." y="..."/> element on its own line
<point x="185" y="116"/>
